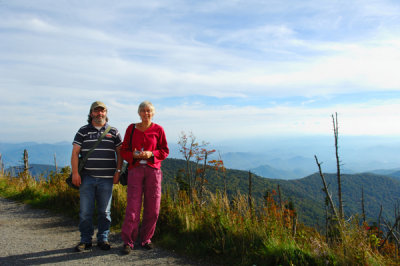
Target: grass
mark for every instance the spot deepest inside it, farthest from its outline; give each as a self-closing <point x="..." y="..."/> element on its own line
<point x="231" y="232"/>
<point x="226" y="231"/>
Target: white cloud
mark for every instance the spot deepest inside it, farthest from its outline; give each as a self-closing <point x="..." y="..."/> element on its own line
<point x="64" y="55"/>
<point x="225" y="122"/>
<point x="27" y="23"/>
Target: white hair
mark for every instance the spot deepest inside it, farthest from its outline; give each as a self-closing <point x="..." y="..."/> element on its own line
<point x="145" y="104"/>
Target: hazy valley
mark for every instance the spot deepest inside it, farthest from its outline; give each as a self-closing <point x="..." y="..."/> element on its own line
<point x="275" y="158"/>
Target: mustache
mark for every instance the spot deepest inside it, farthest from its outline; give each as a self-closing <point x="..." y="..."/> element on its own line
<point x="99" y="118"/>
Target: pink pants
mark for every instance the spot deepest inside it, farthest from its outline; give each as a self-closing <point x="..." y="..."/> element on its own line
<point x="146" y="181"/>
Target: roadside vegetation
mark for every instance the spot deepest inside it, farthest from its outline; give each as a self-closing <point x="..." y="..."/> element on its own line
<point x="229" y="231"/>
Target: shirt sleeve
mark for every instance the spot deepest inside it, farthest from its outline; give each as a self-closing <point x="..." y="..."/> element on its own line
<point x="118" y="139"/>
<point x="78" y="140"/>
<point x="162" y="151"/>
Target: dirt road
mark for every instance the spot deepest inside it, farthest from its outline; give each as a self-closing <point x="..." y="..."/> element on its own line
<point x="36" y="237"/>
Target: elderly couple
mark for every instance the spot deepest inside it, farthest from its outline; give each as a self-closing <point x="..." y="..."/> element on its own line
<point x="144" y="150"/>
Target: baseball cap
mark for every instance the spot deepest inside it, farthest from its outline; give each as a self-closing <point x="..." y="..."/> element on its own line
<point x="97" y="104"/>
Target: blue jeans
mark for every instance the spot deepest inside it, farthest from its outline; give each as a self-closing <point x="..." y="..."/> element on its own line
<point x="100" y="190"/>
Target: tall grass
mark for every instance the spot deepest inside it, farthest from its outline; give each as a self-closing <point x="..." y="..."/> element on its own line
<point x="231" y="232"/>
<point x="226" y="230"/>
<point x="51" y="193"/>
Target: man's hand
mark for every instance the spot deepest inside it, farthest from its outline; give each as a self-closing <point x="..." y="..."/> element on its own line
<point x="76" y="179"/>
<point x="116" y="178"/>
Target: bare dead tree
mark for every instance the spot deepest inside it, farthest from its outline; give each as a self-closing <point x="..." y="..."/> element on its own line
<point x="389" y="233"/>
<point x="1" y="165"/>
<point x="325" y="189"/>
<point x="26" y="163"/>
<point x="336" y="133"/>
<point x="55" y="162"/>
<point x="392" y="232"/>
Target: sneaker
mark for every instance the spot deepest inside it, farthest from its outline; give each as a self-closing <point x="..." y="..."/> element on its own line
<point x="147" y="246"/>
<point x="104" y="245"/>
<point x="126" y="249"/>
<point x="82" y="246"/>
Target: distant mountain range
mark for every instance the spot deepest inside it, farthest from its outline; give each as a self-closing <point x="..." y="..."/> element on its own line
<point x="38" y="153"/>
<point x="275" y="163"/>
<point x="34" y="169"/>
<point x="44" y="153"/>
<point x="274" y="173"/>
<point x="277" y="168"/>
<point x="390" y="172"/>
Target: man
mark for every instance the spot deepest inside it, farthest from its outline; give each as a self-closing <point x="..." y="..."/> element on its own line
<point x="101" y="171"/>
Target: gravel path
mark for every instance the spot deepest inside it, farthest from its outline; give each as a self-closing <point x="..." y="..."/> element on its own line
<point x="36" y="237"/>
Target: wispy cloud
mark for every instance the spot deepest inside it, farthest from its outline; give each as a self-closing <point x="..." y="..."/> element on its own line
<point x="247" y="55"/>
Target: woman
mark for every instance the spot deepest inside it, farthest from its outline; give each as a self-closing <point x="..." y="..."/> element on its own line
<point x="148" y="149"/>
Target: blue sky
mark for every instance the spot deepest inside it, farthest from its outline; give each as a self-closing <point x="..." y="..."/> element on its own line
<point x="221" y="69"/>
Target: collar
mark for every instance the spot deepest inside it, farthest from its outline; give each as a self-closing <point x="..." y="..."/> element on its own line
<point x="101" y="129"/>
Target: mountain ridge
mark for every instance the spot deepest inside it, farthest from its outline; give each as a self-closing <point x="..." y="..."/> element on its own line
<point x="273" y="163"/>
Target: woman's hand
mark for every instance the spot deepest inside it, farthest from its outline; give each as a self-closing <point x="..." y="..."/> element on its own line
<point x="136" y="154"/>
<point x="146" y="154"/>
<point x="143" y="155"/>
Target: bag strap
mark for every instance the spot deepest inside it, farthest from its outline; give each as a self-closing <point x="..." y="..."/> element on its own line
<point x="130" y="139"/>
<point x="126" y="164"/>
<point x="94" y="147"/>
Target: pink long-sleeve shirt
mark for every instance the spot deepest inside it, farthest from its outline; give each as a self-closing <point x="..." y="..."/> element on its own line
<point x="152" y="139"/>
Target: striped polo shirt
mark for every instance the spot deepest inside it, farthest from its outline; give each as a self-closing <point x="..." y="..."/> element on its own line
<point x="102" y="160"/>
